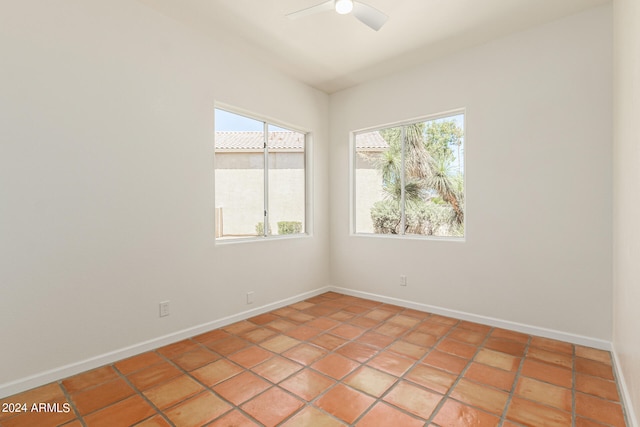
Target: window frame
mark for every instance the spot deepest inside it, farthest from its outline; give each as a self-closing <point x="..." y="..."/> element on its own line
<point x="307" y="163"/>
<point x="353" y="157"/>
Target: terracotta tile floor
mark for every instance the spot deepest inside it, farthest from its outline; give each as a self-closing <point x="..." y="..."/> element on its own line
<point x="336" y="360"/>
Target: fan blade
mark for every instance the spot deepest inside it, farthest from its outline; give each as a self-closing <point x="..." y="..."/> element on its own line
<point x="369" y="15"/>
<point x="327" y="5"/>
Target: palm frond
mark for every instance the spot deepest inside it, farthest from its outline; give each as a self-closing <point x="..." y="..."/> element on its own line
<point x="444" y="184"/>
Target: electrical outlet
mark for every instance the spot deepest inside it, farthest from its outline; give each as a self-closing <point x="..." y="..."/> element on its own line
<point x="164" y="308"/>
<point x="250" y="297"/>
<point x="403" y="280"/>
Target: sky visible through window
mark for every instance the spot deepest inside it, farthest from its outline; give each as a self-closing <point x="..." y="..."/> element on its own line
<point x="232" y="122"/>
<point x="459" y="155"/>
<point x="229" y="122"/>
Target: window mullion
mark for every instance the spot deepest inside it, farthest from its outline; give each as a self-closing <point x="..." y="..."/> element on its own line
<point x="266" y="179"/>
<point x="403" y="219"/>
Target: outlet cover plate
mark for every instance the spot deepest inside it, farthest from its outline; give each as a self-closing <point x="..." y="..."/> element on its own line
<point x="164" y="308"/>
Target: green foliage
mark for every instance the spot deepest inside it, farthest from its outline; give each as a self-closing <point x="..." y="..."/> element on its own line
<point x="260" y="229"/>
<point x="412" y="190"/>
<point x="434" y="186"/>
<point x="385" y="215"/>
<point x="392" y="136"/>
<point x="390" y="161"/>
<point x="289" y="227"/>
<point x="424" y="218"/>
<point x="429" y="219"/>
<point x="441" y="136"/>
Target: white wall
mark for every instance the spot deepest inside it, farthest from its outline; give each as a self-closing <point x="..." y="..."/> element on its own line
<point x="106" y="195"/>
<point x="626" y="200"/>
<point x="538" y="175"/>
<point x="107" y="181"/>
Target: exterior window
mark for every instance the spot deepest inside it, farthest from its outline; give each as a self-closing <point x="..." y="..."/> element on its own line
<point x="409" y="179"/>
<point x="259" y="178"/>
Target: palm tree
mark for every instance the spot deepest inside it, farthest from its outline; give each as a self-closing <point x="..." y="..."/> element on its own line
<point x="441" y="181"/>
<point x="426" y="158"/>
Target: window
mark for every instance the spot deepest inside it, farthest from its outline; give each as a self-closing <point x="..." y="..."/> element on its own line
<point x="409" y="179"/>
<point x="260" y="178"/>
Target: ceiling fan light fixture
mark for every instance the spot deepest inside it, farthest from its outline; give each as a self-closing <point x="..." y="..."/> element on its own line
<point x="344" y="6"/>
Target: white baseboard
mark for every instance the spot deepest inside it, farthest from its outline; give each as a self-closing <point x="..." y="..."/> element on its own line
<point x="11" y="388"/>
<point x="490" y="321"/>
<point x="625" y="396"/>
<point x="56" y="374"/>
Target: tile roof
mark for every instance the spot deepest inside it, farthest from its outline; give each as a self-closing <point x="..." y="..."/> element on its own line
<point x="253" y="140"/>
<point x="371" y="140"/>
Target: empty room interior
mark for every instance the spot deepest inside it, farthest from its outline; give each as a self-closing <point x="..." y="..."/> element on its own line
<point x="154" y="270"/>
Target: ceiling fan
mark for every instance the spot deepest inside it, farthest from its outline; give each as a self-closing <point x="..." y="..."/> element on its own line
<point x="366" y="14"/>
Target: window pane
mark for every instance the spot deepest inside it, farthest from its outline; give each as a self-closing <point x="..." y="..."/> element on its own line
<point x="435" y="184"/>
<point x="377" y="181"/>
<point x="239" y="176"/>
<point x="286" y="168"/>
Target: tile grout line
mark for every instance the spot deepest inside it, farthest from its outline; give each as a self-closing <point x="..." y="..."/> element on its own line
<point x="516" y="379"/>
<point x="210" y="388"/>
<point x="141" y="394"/>
<point x="590" y="375"/>
<point x="420" y="360"/>
<point x="573" y="386"/>
<point x="618" y="384"/>
<point x="337" y="308"/>
<point x="402" y="377"/>
<point x="329" y="352"/>
<point x="447" y="395"/>
<point x="341" y="381"/>
<point x="136" y="391"/>
<point x="283" y="333"/>
<point x="272" y="384"/>
<point x="308" y="342"/>
<point x="73" y="405"/>
<point x="187" y="373"/>
<point x="334" y="351"/>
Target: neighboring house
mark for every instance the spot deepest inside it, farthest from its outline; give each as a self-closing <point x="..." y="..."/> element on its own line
<point x="239" y="163"/>
<point x="245" y="150"/>
<point x="368" y="179"/>
<point x="369" y="145"/>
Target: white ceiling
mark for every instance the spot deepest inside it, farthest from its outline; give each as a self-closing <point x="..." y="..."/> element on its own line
<point x="332" y="52"/>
